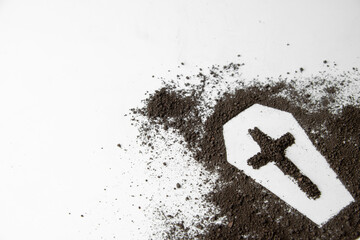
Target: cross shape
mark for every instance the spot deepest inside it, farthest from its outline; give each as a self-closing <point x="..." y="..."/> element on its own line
<point x="273" y="150"/>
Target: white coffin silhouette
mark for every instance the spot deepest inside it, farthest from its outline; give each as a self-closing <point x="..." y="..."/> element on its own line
<point x="240" y="147"/>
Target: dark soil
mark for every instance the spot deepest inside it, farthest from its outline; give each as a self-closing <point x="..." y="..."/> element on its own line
<point x="251" y="210"/>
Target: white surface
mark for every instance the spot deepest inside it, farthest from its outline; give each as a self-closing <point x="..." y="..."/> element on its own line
<point x="70" y="69"/>
<point x="240" y="147"/>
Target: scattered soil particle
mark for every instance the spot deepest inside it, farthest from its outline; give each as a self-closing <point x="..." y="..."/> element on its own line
<point x="255" y="212"/>
<point x="248" y="207"/>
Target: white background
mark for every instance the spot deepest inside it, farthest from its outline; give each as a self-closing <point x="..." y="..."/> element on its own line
<point x="70" y="69"/>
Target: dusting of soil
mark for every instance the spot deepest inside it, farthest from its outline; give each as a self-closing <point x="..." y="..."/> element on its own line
<point x="329" y="116"/>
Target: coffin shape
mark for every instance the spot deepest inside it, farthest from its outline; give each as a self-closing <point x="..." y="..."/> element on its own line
<point x="240" y="147"/>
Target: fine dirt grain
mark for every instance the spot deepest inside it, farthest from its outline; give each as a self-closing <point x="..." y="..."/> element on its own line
<point x="251" y="211"/>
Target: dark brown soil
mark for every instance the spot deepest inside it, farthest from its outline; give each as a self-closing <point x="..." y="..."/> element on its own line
<point x="247" y="209"/>
<point x="252" y="211"/>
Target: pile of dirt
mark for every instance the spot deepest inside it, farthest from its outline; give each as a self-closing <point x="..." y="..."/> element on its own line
<point x="323" y="106"/>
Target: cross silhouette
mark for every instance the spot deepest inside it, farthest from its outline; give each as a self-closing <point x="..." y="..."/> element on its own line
<point x="273" y="150"/>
